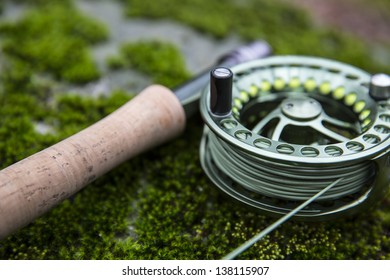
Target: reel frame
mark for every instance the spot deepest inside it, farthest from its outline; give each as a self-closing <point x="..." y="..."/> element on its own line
<point x="318" y="81"/>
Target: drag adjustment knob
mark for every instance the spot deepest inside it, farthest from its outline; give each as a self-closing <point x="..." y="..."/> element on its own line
<point x="221" y="81"/>
<point x="380" y="87"/>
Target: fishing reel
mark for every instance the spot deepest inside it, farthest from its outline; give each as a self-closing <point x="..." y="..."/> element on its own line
<point x="280" y="129"/>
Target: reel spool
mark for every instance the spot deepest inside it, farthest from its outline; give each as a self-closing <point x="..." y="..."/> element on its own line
<point x="280" y="129"/>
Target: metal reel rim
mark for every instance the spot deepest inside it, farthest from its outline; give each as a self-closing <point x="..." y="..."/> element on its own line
<point x="369" y="151"/>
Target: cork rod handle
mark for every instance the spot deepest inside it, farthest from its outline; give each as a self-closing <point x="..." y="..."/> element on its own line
<point x="34" y="185"/>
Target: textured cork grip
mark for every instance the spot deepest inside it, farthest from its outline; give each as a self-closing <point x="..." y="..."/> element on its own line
<point x="34" y="185"/>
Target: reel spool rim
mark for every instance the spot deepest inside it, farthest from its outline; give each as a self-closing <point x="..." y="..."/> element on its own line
<point x="369" y="151"/>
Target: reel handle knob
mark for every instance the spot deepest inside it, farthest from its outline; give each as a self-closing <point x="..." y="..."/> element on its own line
<point x="221" y="83"/>
<point x="380" y="87"/>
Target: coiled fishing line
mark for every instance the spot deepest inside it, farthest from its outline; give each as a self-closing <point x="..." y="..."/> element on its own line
<point x="302" y="137"/>
<point x="283" y="181"/>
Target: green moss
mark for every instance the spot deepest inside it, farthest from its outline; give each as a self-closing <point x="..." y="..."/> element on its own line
<point x="116" y="62"/>
<point x="287" y="28"/>
<point x="54" y="39"/>
<point x="160" y="60"/>
<point x="160" y="205"/>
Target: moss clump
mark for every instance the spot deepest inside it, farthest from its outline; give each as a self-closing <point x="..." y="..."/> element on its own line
<point x="207" y="16"/>
<point x="287" y="28"/>
<point x="54" y="39"/>
<point x="249" y="18"/>
<point x="160" y="60"/>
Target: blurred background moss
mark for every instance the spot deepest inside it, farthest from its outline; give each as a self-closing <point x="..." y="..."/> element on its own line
<point x="66" y="64"/>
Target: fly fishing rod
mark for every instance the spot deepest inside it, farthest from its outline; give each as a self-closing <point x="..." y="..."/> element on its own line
<point x="31" y="187"/>
<point x="295" y="136"/>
